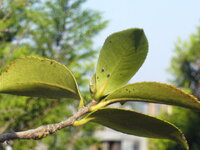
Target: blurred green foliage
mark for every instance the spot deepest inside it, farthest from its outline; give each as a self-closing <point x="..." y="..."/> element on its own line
<point x="58" y="29"/>
<point x="185" y="68"/>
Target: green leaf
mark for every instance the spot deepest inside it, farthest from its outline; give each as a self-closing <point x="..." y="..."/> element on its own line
<point x="122" y="55"/>
<point x="135" y="123"/>
<point x="38" y="77"/>
<point x="153" y="92"/>
<point x="92" y="84"/>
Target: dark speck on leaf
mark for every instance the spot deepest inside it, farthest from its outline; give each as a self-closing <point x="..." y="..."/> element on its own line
<point x="97" y="77"/>
<point x="102" y="70"/>
<point x="108" y="75"/>
<point x="110" y="41"/>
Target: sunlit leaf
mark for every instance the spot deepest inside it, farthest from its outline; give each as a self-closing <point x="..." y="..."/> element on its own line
<point x="121" y="56"/>
<point x="92" y="84"/>
<point x="135" y="123"/>
<point x="38" y="77"/>
<point x="153" y="92"/>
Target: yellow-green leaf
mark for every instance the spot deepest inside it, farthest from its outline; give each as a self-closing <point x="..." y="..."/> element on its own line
<point x="135" y="123"/>
<point x="153" y="92"/>
<point x="38" y="77"/>
<point x="121" y="56"/>
<point x="92" y="84"/>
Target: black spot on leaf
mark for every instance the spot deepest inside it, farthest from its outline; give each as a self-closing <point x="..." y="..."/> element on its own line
<point x="108" y="75"/>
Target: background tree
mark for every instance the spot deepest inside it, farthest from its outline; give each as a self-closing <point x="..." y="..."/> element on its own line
<point x="57" y="29"/>
<point x="185" y="68"/>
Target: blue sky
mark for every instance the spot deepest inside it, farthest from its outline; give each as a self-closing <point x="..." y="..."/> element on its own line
<point x="163" y="22"/>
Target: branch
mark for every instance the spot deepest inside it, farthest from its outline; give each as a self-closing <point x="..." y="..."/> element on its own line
<point x="10" y="110"/>
<point x="45" y="130"/>
<point x="8" y="123"/>
<point x="5" y="31"/>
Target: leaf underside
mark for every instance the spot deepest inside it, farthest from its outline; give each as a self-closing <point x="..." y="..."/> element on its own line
<point x="135" y="123"/>
<point x="153" y="92"/>
<point x="38" y="77"/>
<point x="121" y="56"/>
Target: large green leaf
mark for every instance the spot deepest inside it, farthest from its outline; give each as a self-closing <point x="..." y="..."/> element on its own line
<point x="153" y="92"/>
<point x="39" y="77"/>
<point x="122" y="55"/>
<point x="135" y="123"/>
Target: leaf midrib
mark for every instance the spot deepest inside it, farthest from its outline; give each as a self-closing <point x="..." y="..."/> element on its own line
<point x="139" y="99"/>
<point x="48" y="84"/>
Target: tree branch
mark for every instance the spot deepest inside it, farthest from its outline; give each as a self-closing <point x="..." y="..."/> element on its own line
<point x="45" y="130"/>
<point x="5" y="31"/>
<point x="2" y="129"/>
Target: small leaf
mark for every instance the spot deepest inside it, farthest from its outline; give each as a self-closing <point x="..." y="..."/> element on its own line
<point x="122" y="55"/>
<point x="38" y="77"/>
<point x="153" y="92"/>
<point x="93" y="84"/>
<point x="135" y="123"/>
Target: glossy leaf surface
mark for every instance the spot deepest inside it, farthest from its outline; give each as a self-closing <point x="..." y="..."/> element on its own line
<point x="38" y="77"/>
<point x="154" y="92"/>
<point x="135" y="123"/>
<point x="121" y="56"/>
